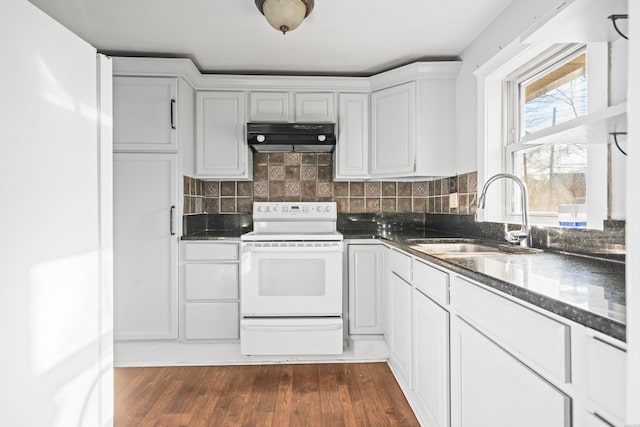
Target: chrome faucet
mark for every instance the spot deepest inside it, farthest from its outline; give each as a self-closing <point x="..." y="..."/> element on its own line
<point x="522" y="236"/>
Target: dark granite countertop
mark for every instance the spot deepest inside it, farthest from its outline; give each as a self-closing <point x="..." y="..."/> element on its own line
<point x="215" y="235"/>
<point x="588" y="291"/>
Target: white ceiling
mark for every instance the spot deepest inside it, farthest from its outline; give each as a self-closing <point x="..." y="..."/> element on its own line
<point x="350" y="37"/>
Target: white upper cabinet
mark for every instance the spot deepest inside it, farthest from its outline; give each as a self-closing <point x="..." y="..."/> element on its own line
<point x="352" y="148"/>
<point x="413" y="124"/>
<point x="315" y="107"/>
<point x="393" y="136"/>
<point x="221" y="145"/>
<point x="145" y="114"/>
<point x="269" y="106"/>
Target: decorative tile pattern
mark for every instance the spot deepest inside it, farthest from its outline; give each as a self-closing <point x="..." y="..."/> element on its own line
<point x="211" y="189"/>
<point x="292" y="188"/>
<point x="372" y="189"/>
<point x="292" y="158"/>
<point x="309" y="173"/>
<point x="261" y="189"/>
<point x="276" y="173"/>
<point x="324" y="189"/>
<point x="420" y="189"/>
<point x="308" y="177"/>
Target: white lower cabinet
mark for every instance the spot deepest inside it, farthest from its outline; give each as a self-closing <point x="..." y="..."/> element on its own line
<point x="606" y="382"/>
<point x="211" y="320"/>
<point x="365" y="289"/>
<point x="400" y="330"/>
<point x="430" y="360"/>
<point x="491" y="388"/>
<point x="145" y="247"/>
<point x="210" y="289"/>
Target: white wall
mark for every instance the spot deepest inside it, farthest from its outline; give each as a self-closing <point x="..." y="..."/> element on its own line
<point x="633" y="220"/>
<point x="506" y="28"/>
<point x="53" y="246"/>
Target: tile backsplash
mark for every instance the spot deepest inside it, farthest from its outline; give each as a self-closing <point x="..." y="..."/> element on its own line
<point x="308" y="177"/>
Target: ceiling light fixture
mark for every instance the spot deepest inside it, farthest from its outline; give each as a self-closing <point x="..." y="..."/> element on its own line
<point x="285" y="15"/>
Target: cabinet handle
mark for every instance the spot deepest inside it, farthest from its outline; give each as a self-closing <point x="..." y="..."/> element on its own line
<point x="171" y="211"/>
<point x="172" y="113"/>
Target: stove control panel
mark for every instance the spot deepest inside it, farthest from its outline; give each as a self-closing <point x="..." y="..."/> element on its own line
<point x="294" y="210"/>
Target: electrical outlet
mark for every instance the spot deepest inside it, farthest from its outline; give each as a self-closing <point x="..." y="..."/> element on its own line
<point x="453" y="200"/>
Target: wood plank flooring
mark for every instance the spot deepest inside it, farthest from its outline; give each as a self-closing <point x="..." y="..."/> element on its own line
<point x="331" y="394"/>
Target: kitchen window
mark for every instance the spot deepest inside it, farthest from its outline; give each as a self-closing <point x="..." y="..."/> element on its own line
<point x="545" y="92"/>
<point x="548" y="90"/>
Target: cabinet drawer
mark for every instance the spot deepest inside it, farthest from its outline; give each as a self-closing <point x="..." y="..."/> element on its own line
<point x="210" y="251"/>
<point x="531" y="336"/>
<point x="211" y="281"/>
<point x="400" y="264"/>
<point x="606" y="373"/>
<point x="211" y="320"/>
<point x="431" y="281"/>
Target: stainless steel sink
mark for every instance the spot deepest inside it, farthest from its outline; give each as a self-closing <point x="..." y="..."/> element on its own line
<point x="465" y="247"/>
<point x="457" y="247"/>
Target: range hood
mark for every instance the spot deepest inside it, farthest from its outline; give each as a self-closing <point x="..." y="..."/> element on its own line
<point x="291" y="137"/>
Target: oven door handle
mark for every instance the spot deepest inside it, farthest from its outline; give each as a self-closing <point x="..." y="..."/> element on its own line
<point x="291" y="248"/>
<point x="300" y="328"/>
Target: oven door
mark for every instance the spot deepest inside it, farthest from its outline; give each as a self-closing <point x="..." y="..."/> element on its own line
<point x="287" y="279"/>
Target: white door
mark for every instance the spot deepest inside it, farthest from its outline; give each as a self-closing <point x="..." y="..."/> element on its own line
<point x="490" y="388"/>
<point x="393" y="131"/>
<point x="400" y="345"/>
<point x="431" y="359"/>
<point x="221" y="143"/>
<point x="352" y="148"/>
<point x="145" y="113"/>
<point x="55" y="209"/>
<point x="365" y="289"/>
<point x="145" y="250"/>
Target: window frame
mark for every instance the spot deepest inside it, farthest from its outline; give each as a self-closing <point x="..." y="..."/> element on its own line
<point x="513" y="113"/>
<point x="493" y="131"/>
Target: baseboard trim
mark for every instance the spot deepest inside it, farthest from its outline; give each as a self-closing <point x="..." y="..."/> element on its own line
<point x="169" y="353"/>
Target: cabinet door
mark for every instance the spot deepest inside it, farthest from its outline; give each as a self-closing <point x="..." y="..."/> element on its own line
<point x="211" y="320"/>
<point x="352" y="149"/>
<point x="315" y="107"/>
<point x="269" y="106"/>
<point x="144" y="114"/>
<point x="365" y="289"/>
<point x="211" y="281"/>
<point x="490" y="388"/>
<point x="221" y="145"/>
<point x="145" y="251"/>
<point x="400" y="345"/>
<point x="393" y="131"/>
<point x="431" y="360"/>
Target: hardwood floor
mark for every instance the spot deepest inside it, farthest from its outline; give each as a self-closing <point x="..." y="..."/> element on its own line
<point x="340" y="394"/>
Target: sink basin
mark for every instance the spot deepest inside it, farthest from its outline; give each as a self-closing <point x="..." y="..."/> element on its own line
<point x="458" y="247"/>
<point x="466" y="247"/>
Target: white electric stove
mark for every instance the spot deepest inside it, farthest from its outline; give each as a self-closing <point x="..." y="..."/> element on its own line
<point x="291" y="280"/>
